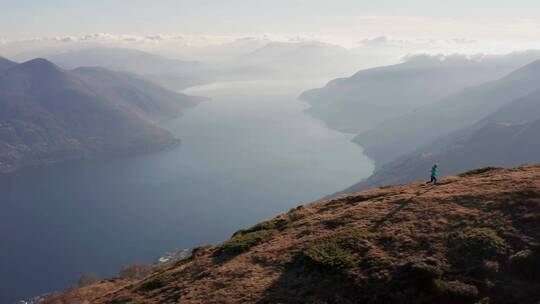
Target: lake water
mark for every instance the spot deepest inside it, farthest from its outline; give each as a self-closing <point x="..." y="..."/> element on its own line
<point x="247" y="155"/>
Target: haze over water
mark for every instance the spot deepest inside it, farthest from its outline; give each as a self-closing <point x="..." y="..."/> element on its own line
<point x="247" y="155"/>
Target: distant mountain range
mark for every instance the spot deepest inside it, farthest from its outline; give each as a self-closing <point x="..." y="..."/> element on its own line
<point x="172" y="73"/>
<point x="242" y="59"/>
<point x="404" y="134"/>
<point x="423" y="111"/>
<point x="507" y="137"/>
<point x="50" y="115"/>
<point x="6" y="64"/>
<point x="493" y="124"/>
<point x="371" y="97"/>
<point x="306" y="59"/>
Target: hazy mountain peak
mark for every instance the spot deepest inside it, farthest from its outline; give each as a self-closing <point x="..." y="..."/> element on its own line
<point x="6" y="64"/>
<point x="67" y="111"/>
<point x="527" y="70"/>
<point x="38" y="65"/>
<point x="451" y="60"/>
<point x="4" y="59"/>
<point x="172" y="73"/>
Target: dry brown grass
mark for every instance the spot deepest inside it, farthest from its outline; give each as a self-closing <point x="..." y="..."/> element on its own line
<point x="405" y="224"/>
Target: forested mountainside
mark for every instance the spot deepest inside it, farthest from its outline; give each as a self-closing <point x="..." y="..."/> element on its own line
<point x="50" y="115"/>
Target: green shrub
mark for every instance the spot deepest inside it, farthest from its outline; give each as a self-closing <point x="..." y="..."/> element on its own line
<point x="475" y="245"/>
<point x="297" y="208"/>
<point x="478" y="171"/>
<point x="456" y="291"/>
<point x="244" y="241"/>
<point x="423" y="271"/>
<point x="199" y="250"/>
<point x="294" y="216"/>
<point x="329" y="255"/>
<point x="267" y="225"/>
<point x="351" y="239"/>
<point x="526" y="263"/>
<point x="336" y="251"/>
<point x="484" y="301"/>
<point x="156" y="282"/>
<point x="276" y="224"/>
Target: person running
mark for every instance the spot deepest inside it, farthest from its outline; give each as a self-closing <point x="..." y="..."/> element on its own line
<point x="434" y="174"/>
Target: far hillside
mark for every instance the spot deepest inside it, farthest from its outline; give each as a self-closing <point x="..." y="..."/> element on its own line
<point x="370" y="97"/>
<point x="49" y="115"/>
<point x="172" y="73"/>
<point x="408" y="132"/>
<point x="506" y="137"/>
<point x="6" y="64"/>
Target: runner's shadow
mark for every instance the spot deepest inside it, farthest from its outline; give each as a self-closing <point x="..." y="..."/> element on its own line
<point x="390" y="215"/>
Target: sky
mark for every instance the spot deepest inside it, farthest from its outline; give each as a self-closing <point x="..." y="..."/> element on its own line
<point x="493" y="23"/>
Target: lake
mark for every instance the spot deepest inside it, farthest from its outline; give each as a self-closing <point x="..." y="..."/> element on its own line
<point x="246" y="155"/>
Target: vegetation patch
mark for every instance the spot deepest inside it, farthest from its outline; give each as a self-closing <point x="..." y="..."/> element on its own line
<point x="526" y="263"/>
<point x="277" y="224"/>
<point x="200" y="250"/>
<point x="156" y="282"/>
<point x="135" y="271"/>
<point x="337" y="251"/>
<point x="456" y="291"/>
<point x="335" y="222"/>
<point x="365" y="197"/>
<point x="295" y="215"/>
<point x="424" y="270"/>
<point x="484" y="301"/>
<point x="329" y="255"/>
<point x="473" y="246"/>
<point x="478" y="171"/>
<point x="244" y="241"/>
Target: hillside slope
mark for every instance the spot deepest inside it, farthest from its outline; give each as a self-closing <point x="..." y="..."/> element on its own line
<point x="6" y="64"/>
<point x="406" y="133"/>
<point x="506" y="137"/>
<point x="473" y="237"/>
<point x="171" y="73"/>
<point x="143" y="96"/>
<point x="49" y="115"/>
<point x="372" y="96"/>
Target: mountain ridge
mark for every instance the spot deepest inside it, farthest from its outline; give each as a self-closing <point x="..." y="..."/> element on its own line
<point x="171" y="73"/>
<point x="49" y="115"/>
<point x="374" y="96"/>
<point x="502" y="138"/>
<point x="5" y="64"/>
<point x="472" y="239"/>
<point x="447" y="115"/>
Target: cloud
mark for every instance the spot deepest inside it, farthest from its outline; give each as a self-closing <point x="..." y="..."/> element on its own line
<point x="375" y="41"/>
<point x="464" y="41"/>
<point x="204" y="47"/>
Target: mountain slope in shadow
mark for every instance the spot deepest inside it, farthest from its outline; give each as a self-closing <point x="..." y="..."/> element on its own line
<point x="6" y="64"/>
<point x="171" y="73"/>
<point x="404" y="134"/>
<point x="49" y="115"/>
<point x="504" y="138"/>
<point x="372" y="96"/>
